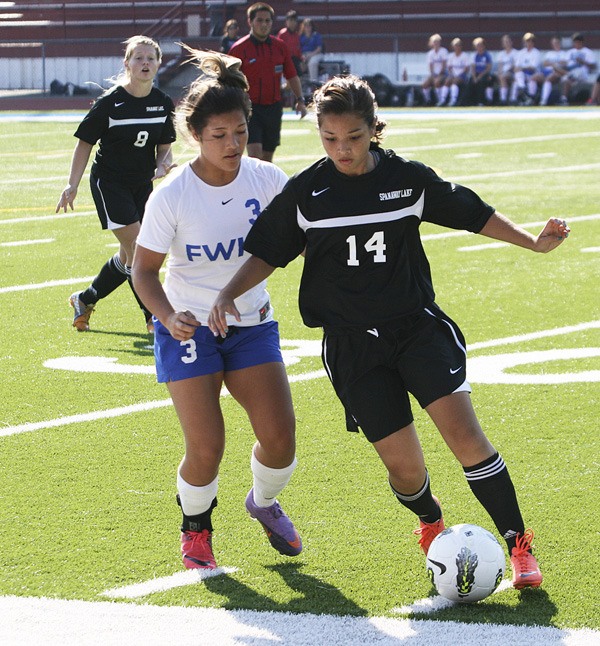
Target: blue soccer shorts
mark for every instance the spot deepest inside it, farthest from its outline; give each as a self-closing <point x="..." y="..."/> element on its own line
<point x="205" y="354"/>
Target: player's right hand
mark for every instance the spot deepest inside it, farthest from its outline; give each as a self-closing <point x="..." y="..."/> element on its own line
<point x="182" y="325"/>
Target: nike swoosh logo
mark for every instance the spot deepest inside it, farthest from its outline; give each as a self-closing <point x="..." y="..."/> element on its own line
<point x="315" y="193"/>
<point x="374" y="332"/>
<point x="440" y="565"/>
<point x="197" y="561"/>
<point x="226" y="201"/>
<point x="119" y="104"/>
<point x="455" y="370"/>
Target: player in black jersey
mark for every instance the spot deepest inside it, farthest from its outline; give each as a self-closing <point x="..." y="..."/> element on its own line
<point x="133" y="124"/>
<point x="355" y="214"/>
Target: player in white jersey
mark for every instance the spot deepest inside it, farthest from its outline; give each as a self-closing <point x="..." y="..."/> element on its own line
<point x="458" y="65"/>
<point x="355" y="216"/>
<point x="581" y="62"/>
<point x="505" y="67"/>
<point x="436" y="64"/>
<point x="554" y="68"/>
<point x="527" y="65"/>
<point x="200" y="217"/>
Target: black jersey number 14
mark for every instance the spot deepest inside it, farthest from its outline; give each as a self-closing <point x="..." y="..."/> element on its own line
<point x="375" y="245"/>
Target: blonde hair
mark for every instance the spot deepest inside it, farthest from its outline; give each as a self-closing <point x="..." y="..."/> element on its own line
<point x="122" y="77"/>
<point x="221" y="87"/>
<point x="434" y="38"/>
<point x="529" y="36"/>
<point x="456" y="41"/>
<point x="478" y="41"/>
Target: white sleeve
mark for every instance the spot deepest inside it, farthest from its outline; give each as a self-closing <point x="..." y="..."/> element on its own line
<point x="159" y="224"/>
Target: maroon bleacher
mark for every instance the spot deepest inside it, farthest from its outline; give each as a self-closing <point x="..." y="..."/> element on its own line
<point x="73" y="28"/>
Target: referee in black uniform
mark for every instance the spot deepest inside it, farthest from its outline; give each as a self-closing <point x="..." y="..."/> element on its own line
<point x="355" y="214"/>
<point x="134" y="127"/>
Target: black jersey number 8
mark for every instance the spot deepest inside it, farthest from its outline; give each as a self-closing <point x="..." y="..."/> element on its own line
<point x="375" y="245"/>
<point x="142" y="138"/>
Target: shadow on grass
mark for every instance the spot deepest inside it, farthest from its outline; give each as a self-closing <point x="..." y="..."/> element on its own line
<point x="142" y="347"/>
<point x="535" y="608"/>
<point x="316" y="597"/>
<point x="314" y="594"/>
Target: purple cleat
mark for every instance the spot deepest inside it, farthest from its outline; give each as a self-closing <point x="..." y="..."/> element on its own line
<point x="279" y="528"/>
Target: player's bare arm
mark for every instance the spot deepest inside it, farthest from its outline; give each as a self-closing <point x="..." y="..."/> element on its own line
<point x="252" y="272"/>
<point x="552" y="235"/>
<point x="79" y="161"/>
<point x="164" y="161"/>
<point x="144" y="273"/>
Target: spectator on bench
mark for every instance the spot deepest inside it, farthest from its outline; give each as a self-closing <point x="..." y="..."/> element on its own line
<point x="458" y="65"/>
<point x="581" y="62"/>
<point x="437" y="57"/>
<point x="505" y="69"/>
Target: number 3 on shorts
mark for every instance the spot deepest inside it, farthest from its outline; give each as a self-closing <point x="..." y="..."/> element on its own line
<point x="191" y="354"/>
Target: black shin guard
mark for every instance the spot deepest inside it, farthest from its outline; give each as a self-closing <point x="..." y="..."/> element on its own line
<point x="200" y="521"/>
<point x="421" y="503"/>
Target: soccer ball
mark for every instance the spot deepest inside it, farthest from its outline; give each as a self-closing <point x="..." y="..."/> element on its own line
<point x="465" y="563"/>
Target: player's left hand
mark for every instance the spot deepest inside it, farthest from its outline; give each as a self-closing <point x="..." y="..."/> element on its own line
<point x="553" y="234"/>
<point x="301" y="109"/>
<point x="163" y="170"/>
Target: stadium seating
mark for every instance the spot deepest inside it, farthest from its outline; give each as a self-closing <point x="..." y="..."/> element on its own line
<point x="370" y="25"/>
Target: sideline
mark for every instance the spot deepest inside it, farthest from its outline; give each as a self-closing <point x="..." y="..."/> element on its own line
<point x="56" y="622"/>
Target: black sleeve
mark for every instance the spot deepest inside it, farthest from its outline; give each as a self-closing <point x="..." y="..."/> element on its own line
<point x="95" y="123"/>
<point x="452" y="205"/>
<point x="276" y="237"/>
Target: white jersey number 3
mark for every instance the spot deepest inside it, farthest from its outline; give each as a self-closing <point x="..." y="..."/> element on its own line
<point x="375" y="245"/>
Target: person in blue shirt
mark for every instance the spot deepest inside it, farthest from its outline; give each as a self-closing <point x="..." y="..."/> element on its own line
<point x="481" y="74"/>
<point x="311" y="44"/>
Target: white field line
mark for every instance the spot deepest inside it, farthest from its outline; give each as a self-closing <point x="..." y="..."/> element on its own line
<point x="481" y="247"/>
<point x="503" y="142"/>
<point x="430" y="236"/>
<point x="51" y="283"/>
<point x="532" y="336"/>
<point x="24" y="243"/>
<point x="39" y="218"/>
<point x="524" y="171"/>
<point x="136" y="408"/>
<point x="164" y="583"/>
<point x="58" y="622"/>
<point x="32" y="180"/>
<point x="122" y="410"/>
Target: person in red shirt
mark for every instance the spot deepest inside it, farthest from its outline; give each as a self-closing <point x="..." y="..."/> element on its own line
<point x="290" y="34"/>
<point x="265" y="59"/>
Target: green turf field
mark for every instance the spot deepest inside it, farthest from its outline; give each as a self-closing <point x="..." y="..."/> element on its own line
<point x="89" y="445"/>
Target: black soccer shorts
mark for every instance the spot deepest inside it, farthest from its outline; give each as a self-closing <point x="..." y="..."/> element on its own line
<point x="373" y="370"/>
<point x="264" y="126"/>
<point x="118" y="205"/>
